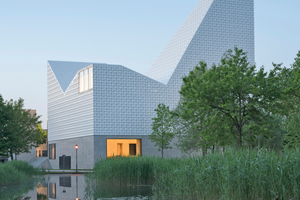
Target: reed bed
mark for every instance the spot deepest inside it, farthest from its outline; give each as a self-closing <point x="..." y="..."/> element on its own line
<point x="236" y="174"/>
<point x="16" y="172"/>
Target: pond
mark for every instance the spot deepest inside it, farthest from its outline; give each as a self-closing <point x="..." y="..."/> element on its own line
<point x="73" y="187"/>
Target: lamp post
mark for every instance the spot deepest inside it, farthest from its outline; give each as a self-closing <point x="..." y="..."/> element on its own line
<point x="77" y="188"/>
<point x="76" y="147"/>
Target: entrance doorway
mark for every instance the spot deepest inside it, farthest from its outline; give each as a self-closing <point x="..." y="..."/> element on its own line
<point x="64" y="162"/>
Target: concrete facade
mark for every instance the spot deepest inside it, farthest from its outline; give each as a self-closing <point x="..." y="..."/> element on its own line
<point x="121" y="103"/>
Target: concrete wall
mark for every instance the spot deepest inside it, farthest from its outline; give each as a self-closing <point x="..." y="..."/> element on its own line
<point x="92" y="148"/>
<point x="148" y="148"/>
<point x="27" y="156"/>
<point x="85" y="152"/>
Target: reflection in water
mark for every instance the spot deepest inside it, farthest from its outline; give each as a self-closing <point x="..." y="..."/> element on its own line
<point x="74" y="187"/>
<point x="48" y="187"/>
<point x="97" y="189"/>
<point x="17" y="191"/>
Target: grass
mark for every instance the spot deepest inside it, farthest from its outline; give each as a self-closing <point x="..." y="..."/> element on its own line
<point x="16" y="172"/>
<point x="242" y="174"/>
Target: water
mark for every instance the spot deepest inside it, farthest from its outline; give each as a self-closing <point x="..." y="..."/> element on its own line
<point x="71" y="187"/>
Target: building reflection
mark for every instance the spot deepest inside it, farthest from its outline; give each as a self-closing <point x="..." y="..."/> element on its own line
<point x="59" y="187"/>
<point x="42" y="191"/>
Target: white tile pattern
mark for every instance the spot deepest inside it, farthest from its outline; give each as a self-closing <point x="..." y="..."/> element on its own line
<point x="123" y="101"/>
<point x="70" y="114"/>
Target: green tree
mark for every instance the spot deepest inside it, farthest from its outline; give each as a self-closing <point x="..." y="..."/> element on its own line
<point x="291" y="80"/>
<point x="19" y="131"/>
<point x="161" y="128"/>
<point x="191" y="130"/>
<point x="232" y="95"/>
<point x="292" y="137"/>
<point x="42" y="138"/>
<point x="185" y="130"/>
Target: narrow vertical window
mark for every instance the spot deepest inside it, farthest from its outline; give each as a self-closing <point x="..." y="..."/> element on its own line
<point x="52" y="151"/>
<point x="81" y="81"/>
<point x="91" y="78"/>
<point x="86" y="80"/>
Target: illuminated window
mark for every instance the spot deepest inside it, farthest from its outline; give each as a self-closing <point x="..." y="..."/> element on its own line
<point x="91" y="78"/>
<point x="81" y="81"/>
<point x="52" y="151"/>
<point x="86" y="79"/>
<point x="123" y="147"/>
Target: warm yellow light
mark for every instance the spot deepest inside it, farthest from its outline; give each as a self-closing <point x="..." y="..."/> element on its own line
<point x="121" y="147"/>
<point x="76" y="146"/>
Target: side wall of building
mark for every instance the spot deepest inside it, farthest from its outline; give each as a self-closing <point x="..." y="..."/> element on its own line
<point x="70" y="118"/>
<point x="85" y="152"/>
<point x="124" y="103"/>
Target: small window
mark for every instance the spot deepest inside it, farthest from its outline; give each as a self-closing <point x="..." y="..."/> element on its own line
<point x="44" y="152"/>
<point x="81" y="82"/>
<point x="52" y="151"/>
<point x="86" y="79"/>
<point x="91" y="78"/>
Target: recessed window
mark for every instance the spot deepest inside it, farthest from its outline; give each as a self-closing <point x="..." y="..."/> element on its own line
<point x="123" y="147"/>
<point x="86" y="79"/>
<point x="132" y="149"/>
<point x="81" y="83"/>
<point x="91" y="78"/>
<point x="52" y="151"/>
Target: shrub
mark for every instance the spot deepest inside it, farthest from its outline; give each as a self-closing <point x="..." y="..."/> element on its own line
<point x="16" y="172"/>
<point x="242" y="174"/>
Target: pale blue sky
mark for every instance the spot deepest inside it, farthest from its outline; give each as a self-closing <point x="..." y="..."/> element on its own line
<point x="131" y="33"/>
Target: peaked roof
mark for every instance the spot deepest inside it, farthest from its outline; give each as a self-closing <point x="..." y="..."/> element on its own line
<point x="166" y="63"/>
<point x="66" y="71"/>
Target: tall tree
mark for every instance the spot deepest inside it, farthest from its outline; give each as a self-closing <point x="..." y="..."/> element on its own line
<point x="19" y="130"/>
<point x="185" y="130"/>
<point x="161" y="128"/>
<point x="291" y="81"/>
<point x="192" y="133"/>
<point x="235" y="93"/>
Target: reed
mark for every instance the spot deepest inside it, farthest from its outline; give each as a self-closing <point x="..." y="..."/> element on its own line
<point x="16" y="172"/>
<point x="236" y="174"/>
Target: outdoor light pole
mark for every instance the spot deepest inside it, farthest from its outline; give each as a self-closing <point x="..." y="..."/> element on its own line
<point x="77" y="188"/>
<point x="76" y="147"/>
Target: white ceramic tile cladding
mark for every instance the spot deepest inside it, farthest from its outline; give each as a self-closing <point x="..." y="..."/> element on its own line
<point x="123" y="101"/>
<point x="212" y="28"/>
<point x="70" y="113"/>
